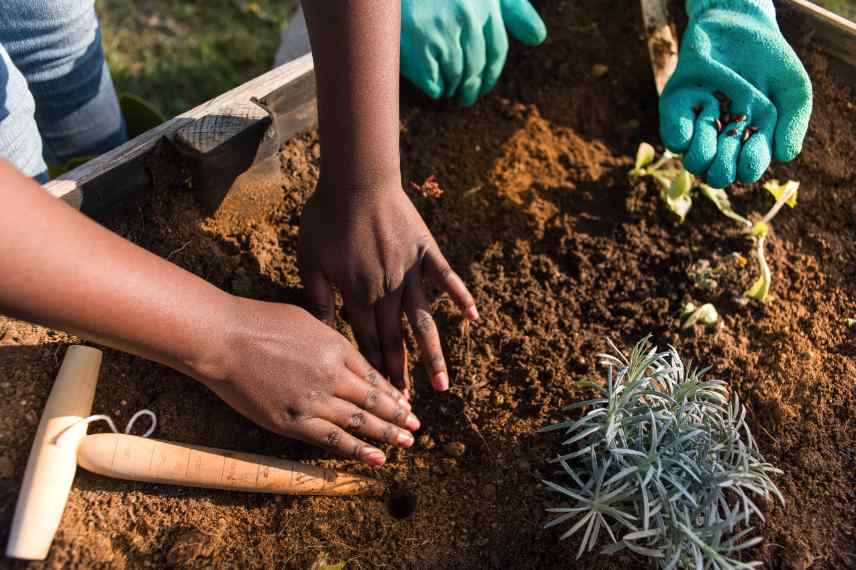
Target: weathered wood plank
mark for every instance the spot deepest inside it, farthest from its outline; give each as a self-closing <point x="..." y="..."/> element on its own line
<point x="221" y="146"/>
<point x="834" y="34"/>
<point x="115" y="175"/>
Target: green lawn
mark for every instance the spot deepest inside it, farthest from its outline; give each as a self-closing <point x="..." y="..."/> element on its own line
<point x="179" y="53"/>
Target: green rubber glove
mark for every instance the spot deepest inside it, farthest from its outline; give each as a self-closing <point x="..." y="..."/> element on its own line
<point x="736" y="68"/>
<point x="457" y="48"/>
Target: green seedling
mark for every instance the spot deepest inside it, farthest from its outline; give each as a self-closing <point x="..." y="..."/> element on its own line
<point x="663" y="464"/>
<point x="785" y="194"/>
<point x="677" y="186"/>
<point x="705" y="315"/>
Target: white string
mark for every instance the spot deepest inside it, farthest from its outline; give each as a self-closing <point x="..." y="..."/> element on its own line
<point x="67" y="432"/>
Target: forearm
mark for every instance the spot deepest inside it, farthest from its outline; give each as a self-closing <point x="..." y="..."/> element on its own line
<point x="355" y="45"/>
<point x="63" y="270"/>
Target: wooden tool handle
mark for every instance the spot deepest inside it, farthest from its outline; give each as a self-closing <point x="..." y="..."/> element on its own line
<point x="150" y="460"/>
<point x="50" y="468"/>
<point x="662" y="41"/>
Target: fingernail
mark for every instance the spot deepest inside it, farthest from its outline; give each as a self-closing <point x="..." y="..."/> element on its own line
<point x="405" y="404"/>
<point x="441" y="381"/>
<point x="375" y="457"/>
<point x="472" y="313"/>
<point x="412" y="423"/>
<point x="404" y="439"/>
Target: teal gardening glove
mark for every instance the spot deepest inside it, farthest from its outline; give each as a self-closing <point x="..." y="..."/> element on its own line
<point x="739" y="95"/>
<point x="457" y="48"/>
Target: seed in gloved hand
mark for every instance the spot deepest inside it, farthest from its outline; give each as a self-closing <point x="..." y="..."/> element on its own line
<point x="746" y="134"/>
<point x="718" y="124"/>
<point x="738" y="118"/>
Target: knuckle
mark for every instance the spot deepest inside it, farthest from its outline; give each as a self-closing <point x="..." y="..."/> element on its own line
<point x="445" y="271"/>
<point x="333" y="437"/>
<point x="371" y="399"/>
<point x="290" y="417"/>
<point x="425" y="324"/>
<point x="392" y="281"/>
<point x="373" y="377"/>
<point x="357" y="420"/>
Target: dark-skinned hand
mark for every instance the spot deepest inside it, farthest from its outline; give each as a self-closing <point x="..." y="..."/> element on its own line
<point x="291" y="374"/>
<point x="373" y="246"/>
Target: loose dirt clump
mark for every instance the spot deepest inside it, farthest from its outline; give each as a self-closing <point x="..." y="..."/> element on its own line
<point x="560" y="251"/>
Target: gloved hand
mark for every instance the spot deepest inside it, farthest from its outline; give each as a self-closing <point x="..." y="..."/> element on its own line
<point x="739" y="95"/>
<point x="457" y="48"/>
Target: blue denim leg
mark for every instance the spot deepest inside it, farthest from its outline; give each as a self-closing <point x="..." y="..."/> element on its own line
<point x="20" y="142"/>
<point x="57" y="46"/>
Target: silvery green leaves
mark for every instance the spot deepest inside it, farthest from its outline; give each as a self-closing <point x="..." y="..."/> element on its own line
<point x="662" y="464"/>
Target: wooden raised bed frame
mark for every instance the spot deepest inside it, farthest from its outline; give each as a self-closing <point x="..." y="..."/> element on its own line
<point x="241" y="129"/>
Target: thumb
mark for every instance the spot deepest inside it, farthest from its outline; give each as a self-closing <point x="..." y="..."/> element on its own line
<point x="523" y="21"/>
<point x="318" y="296"/>
<point x="794" y="106"/>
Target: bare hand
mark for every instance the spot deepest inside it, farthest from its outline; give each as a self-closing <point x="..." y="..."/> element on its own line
<point x="374" y="247"/>
<point x="293" y="375"/>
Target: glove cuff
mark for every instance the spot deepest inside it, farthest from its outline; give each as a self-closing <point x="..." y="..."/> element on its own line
<point x="765" y="8"/>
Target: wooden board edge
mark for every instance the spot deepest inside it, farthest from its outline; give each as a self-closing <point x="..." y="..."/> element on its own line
<point x="125" y="165"/>
<point x="833" y="34"/>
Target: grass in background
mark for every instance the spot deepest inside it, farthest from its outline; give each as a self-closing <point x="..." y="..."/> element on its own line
<point x="179" y="53"/>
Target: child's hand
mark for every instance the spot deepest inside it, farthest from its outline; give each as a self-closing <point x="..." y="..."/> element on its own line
<point x="373" y="246"/>
<point x="293" y="375"/>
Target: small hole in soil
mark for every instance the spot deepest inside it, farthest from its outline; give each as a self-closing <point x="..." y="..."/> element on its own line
<point x="402" y="504"/>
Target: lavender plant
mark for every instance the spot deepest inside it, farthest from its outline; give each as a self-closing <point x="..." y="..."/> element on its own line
<point x="663" y="464"/>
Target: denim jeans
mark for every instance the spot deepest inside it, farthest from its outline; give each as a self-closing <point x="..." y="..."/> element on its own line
<point x="57" y="99"/>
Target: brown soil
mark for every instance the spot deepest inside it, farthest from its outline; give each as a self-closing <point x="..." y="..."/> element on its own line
<point x="561" y="252"/>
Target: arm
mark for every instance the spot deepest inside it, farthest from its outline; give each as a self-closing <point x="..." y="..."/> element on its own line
<point x="273" y="363"/>
<point x="360" y="233"/>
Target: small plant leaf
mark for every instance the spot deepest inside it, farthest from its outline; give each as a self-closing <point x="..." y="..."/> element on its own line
<point x="761" y="288"/>
<point x="719" y="197"/>
<point x="644" y="156"/>
<point x="681" y="185"/>
<point x="789" y="189"/>
<point x="679" y="206"/>
<point x="705" y="315"/>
